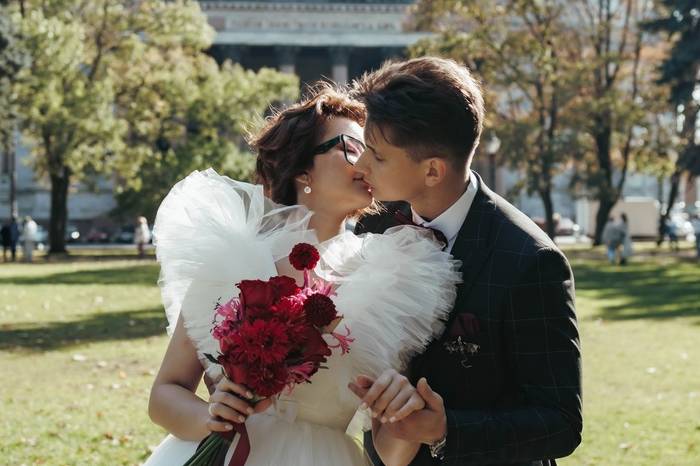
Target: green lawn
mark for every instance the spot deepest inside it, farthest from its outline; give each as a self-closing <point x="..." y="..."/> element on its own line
<point x="79" y="347"/>
<point x="80" y="343"/>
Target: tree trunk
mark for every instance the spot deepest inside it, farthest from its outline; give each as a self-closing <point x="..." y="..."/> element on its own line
<point x="601" y="217"/>
<point x="8" y="144"/>
<point x="59" y="210"/>
<point x="546" y="196"/>
<point x="672" y="195"/>
<point x="607" y="195"/>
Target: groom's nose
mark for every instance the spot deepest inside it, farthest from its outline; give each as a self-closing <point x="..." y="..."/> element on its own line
<point x="361" y="164"/>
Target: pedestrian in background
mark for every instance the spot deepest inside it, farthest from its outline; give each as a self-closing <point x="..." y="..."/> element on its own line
<point x="627" y="249"/>
<point x="696" y="230"/>
<point x="142" y="235"/>
<point x="29" y="231"/>
<point x="612" y="238"/>
<point x="10" y="237"/>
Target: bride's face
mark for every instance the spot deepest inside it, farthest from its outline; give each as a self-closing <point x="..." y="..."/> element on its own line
<point x="336" y="187"/>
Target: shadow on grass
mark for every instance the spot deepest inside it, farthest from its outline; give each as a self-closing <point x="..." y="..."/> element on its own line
<point x="135" y="275"/>
<point x="645" y="290"/>
<point x="107" y="326"/>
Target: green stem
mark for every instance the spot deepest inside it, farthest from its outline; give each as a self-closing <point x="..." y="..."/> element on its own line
<point x="206" y="452"/>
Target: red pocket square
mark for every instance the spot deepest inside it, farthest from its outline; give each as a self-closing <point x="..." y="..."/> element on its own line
<point x="466" y="325"/>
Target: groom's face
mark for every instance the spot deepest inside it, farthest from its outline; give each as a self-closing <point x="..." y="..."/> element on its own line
<point x="389" y="170"/>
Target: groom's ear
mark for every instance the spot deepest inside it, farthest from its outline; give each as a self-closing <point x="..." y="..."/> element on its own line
<point x="435" y="170"/>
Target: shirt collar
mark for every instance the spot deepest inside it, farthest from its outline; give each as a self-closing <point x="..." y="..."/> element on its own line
<point x="450" y="221"/>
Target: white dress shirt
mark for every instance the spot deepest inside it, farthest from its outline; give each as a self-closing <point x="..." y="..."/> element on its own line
<point x="450" y="221"/>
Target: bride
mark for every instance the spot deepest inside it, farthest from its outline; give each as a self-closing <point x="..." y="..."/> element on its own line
<point x="393" y="290"/>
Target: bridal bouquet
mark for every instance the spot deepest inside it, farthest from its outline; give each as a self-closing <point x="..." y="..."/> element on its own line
<point x="270" y="339"/>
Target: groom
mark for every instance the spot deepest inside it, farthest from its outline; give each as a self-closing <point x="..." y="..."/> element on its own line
<point x="504" y="380"/>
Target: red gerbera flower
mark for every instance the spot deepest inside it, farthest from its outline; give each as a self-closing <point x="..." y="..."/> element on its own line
<point x="267" y="380"/>
<point x="304" y="256"/>
<point x="320" y="310"/>
<point x="263" y="341"/>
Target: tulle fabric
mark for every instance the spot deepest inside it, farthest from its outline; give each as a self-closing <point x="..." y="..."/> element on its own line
<point x="210" y="233"/>
<point x="394" y="291"/>
<point x="277" y="442"/>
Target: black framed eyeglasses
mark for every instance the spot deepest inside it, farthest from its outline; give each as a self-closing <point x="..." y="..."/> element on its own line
<point x="352" y="147"/>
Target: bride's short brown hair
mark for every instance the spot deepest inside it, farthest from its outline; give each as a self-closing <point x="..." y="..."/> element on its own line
<point x="285" y="144"/>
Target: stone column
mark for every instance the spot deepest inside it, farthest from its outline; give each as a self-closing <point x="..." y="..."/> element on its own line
<point x="340" y="59"/>
<point x="286" y="59"/>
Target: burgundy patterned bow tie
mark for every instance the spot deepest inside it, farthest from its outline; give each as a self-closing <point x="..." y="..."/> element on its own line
<point x="404" y="220"/>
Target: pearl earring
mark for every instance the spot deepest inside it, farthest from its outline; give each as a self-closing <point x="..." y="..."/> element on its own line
<point x="307" y="189"/>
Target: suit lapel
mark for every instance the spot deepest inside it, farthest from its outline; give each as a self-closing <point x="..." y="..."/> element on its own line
<point x="474" y="243"/>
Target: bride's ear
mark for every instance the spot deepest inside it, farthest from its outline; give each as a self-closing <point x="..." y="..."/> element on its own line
<point x="435" y="170"/>
<point x="303" y="180"/>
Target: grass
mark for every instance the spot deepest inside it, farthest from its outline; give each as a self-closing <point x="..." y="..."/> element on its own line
<point x="640" y="327"/>
<point x="80" y="342"/>
<point x="79" y="347"/>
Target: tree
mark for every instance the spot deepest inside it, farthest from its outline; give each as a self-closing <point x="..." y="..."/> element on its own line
<point x="520" y="50"/>
<point x="614" y="100"/>
<point x="679" y="20"/>
<point x="202" y="127"/>
<point x="566" y="79"/>
<point x="13" y="58"/>
<point x="109" y="81"/>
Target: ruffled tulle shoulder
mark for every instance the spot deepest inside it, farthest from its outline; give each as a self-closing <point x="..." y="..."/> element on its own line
<point x="212" y="232"/>
<point x="395" y="291"/>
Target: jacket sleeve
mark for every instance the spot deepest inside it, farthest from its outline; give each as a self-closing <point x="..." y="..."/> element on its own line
<point x="543" y="354"/>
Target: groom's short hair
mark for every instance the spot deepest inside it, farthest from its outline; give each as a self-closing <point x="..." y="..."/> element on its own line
<point x="428" y="106"/>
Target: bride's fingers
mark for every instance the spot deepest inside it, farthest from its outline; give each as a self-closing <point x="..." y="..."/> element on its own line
<point x="357" y="390"/>
<point x="224" y="412"/>
<point x="218" y="426"/>
<point x="398" y="383"/>
<point x="415" y="403"/>
<point x="364" y="381"/>
<point x="226" y="385"/>
<point x="232" y="402"/>
<point x="378" y="388"/>
<point x="397" y="403"/>
<point x="262" y="405"/>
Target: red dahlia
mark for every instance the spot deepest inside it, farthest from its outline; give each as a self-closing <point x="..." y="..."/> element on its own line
<point x="304" y="256"/>
<point x="267" y="380"/>
<point x="320" y="310"/>
<point x="264" y="341"/>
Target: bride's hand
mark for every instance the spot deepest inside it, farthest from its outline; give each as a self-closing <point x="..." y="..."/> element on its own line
<point x="390" y="398"/>
<point x="229" y="403"/>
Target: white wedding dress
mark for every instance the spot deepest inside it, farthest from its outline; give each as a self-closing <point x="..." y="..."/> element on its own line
<point x="394" y="291"/>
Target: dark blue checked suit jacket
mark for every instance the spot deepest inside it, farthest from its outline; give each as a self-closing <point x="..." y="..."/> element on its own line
<point x="509" y="364"/>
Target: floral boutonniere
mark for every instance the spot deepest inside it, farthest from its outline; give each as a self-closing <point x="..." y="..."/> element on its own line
<point x="466" y="326"/>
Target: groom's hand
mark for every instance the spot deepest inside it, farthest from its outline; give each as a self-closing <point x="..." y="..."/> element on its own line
<point x="428" y="425"/>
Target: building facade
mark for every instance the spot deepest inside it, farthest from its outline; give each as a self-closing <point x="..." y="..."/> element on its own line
<point x="314" y="39"/>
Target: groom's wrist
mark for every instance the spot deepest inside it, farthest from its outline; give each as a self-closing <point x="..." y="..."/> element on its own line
<point x="439" y="447"/>
<point x="440" y="433"/>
